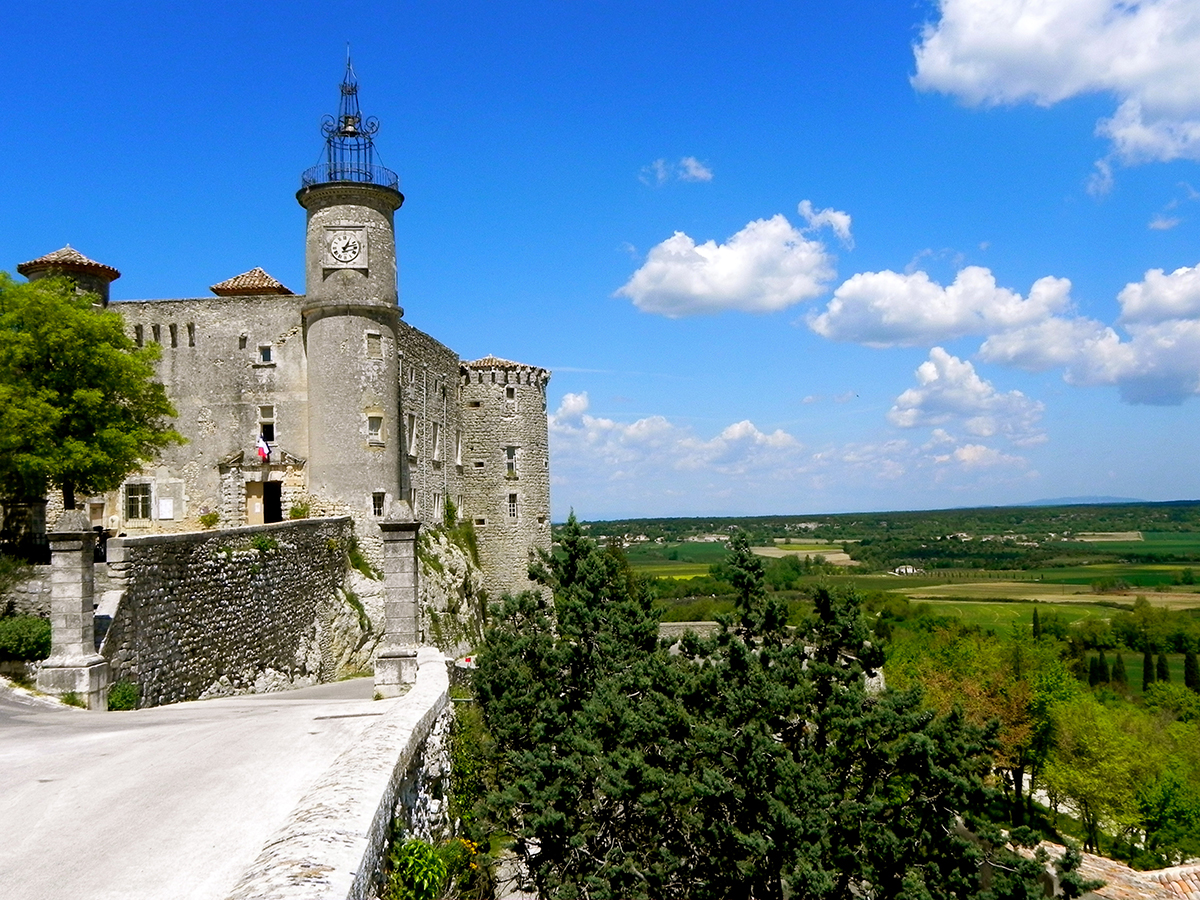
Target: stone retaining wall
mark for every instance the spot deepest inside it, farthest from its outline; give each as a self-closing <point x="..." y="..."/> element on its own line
<point x="247" y="609"/>
<point x="31" y="597"/>
<point x="334" y="842"/>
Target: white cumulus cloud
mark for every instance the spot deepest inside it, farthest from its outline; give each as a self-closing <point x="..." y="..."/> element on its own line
<point x="834" y="219"/>
<point x="1143" y="54"/>
<point x="883" y="309"/>
<point x="767" y="266"/>
<point x="949" y="390"/>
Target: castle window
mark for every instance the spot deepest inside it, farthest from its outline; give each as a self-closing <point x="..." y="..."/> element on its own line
<point x="138" y="335"/>
<point x="512" y="506"/>
<point x="475" y="404"/>
<point x="375" y="429"/>
<point x="412" y="498"/>
<point x="266" y="423"/>
<point x="374" y="345"/>
<point x="479" y="463"/>
<point x="264" y="353"/>
<point x="191" y="334"/>
<point x="137" y="501"/>
<point x="174" y="334"/>
<point x="411" y="421"/>
<point x="241" y="342"/>
<point x="510" y="398"/>
<point x="510" y="462"/>
<point x="437" y="503"/>
<point x="377" y="501"/>
<point x="481" y="521"/>
<point x="458" y="448"/>
<point x="156" y="330"/>
<point x="437" y="442"/>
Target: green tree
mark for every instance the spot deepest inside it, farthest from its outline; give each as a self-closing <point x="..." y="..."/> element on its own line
<point x="1119" y="676"/>
<point x="1147" y="669"/>
<point x="1191" y="671"/>
<point x="79" y="405"/>
<point x="1162" y="671"/>
<point x="750" y="763"/>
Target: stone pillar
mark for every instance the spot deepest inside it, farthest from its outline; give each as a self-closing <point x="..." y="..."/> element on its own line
<point x="74" y="665"/>
<point x="396" y="659"/>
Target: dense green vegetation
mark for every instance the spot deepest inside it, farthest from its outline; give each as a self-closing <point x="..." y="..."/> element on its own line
<point x="993" y="538"/>
<point x="754" y="763"/>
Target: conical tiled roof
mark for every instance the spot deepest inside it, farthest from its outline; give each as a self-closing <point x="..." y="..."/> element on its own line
<point x="256" y="281"/>
<point x="68" y="259"/>
<point x="495" y="362"/>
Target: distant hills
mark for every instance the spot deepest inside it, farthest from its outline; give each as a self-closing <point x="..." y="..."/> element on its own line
<point x="1081" y="501"/>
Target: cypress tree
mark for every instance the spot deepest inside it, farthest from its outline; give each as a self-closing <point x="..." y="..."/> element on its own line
<point x="1191" y="671"/>
<point x="1161" y="672"/>
<point x="1093" y="671"/>
<point x="1102" y="668"/>
<point x="1118" y="672"/>
<point x="1147" y="670"/>
<point x="1037" y="624"/>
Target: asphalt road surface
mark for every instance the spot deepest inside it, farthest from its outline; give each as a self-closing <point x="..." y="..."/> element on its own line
<point x="171" y="802"/>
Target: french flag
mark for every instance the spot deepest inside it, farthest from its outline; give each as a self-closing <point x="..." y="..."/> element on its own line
<point x="264" y="449"/>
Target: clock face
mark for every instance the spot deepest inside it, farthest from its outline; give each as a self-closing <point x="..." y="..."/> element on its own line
<point x="344" y="246"/>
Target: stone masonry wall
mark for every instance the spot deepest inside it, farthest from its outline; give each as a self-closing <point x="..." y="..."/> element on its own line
<point x="30" y="597"/>
<point x="429" y="404"/>
<point x="235" y="611"/>
<point x="507" y="496"/>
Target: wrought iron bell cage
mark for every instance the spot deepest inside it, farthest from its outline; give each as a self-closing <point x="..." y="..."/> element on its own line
<point x="350" y="144"/>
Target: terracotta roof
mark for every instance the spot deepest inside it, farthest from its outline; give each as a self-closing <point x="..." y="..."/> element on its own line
<point x="68" y="259"/>
<point x="495" y="362"/>
<point x="1124" y="883"/>
<point x="256" y="281"/>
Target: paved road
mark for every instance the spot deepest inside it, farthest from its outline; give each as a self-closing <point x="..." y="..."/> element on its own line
<point x="172" y="802"/>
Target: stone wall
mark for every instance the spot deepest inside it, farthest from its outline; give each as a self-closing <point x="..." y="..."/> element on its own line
<point x="30" y="597"/>
<point x="506" y="468"/>
<point x="451" y="599"/>
<point x="431" y="421"/>
<point x="235" y="611"/>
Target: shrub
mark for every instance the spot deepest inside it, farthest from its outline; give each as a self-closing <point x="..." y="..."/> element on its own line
<point x="299" y="511"/>
<point x="359" y="561"/>
<point x="418" y="873"/>
<point x="210" y="519"/>
<point x="70" y="698"/>
<point x="124" y="695"/>
<point x="262" y="543"/>
<point x="24" y="638"/>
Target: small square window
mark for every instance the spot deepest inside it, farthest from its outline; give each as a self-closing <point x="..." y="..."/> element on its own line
<point x="512" y="506"/>
<point x="510" y="462"/>
<point x="242" y="342"/>
<point x="267" y="430"/>
<point x="478" y="463"/>
<point x="475" y="404"/>
<point x="264" y="353"/>
<point x="378" y="499"/>
<point x="481" y="521"/>
<point x="374" y="345"/>
<point x="375" y="429"/>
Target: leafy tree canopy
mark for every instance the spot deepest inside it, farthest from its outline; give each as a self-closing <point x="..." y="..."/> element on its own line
<point x="79" y="404"/>
<point x="754" y="763"/>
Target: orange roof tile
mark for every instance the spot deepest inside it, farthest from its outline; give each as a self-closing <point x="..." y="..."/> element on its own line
<point x="256" y="281"/>
<point x="495" y="362"/>
<point x="68" y="259"/>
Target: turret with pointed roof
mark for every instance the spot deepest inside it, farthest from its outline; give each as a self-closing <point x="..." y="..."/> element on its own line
<point x="89" y="276"/>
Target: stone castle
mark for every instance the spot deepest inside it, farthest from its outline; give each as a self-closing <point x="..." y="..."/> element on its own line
<point x="328" y="402"/>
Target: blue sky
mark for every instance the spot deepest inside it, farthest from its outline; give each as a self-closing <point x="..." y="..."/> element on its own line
<point x="781" y="257"/>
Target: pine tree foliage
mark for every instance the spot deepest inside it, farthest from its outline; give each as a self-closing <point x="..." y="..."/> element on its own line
<point x="1162" y="671"/>
<point x="754" y="763"/>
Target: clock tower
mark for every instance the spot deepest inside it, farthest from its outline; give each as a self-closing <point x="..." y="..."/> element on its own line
<point x="350" y="314"/>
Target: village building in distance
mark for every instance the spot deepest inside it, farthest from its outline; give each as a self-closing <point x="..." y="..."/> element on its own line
<point x="328" y="402"/>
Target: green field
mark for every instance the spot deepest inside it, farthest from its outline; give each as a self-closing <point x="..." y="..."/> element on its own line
<point x="1180" y="543"/>
<point x="1000" y="617"/>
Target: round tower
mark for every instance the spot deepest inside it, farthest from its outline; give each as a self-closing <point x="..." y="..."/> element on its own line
<point x="350" y="315"/>
<point x="89" y="276"/>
